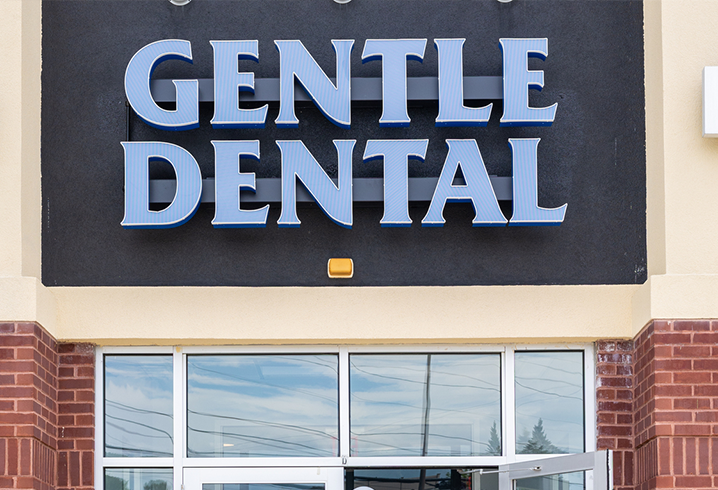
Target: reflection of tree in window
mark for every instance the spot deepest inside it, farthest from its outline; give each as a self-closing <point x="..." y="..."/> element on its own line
<point x="539" y="443"/>
<point x="549" y="402"/>
<point x="155" y="485"/>
<point x="494" y="442"/>
<point x="115" y="483"/>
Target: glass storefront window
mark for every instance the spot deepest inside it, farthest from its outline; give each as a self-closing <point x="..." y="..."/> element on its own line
<point x="549" y="402"/>
<point x="262" y="406"/>
<point x="138" y="479"/>
<point x="138" y="406"/>
<point x="435" y="419"/>
<point x="425" y="405"/>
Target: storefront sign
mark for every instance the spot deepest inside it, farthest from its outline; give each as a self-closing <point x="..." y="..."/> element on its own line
<point x="334" y="101"/>
<point x="259" y="148"/>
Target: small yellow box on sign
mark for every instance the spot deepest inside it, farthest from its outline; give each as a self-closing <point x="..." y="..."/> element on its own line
<point x="340" y="268"/>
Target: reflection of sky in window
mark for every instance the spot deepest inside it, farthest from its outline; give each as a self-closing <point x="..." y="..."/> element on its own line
<point x="389" y="403"/>
<point x="549" y="386"/>
<point x="262" y="405"/>
<point x="138" y="479"/>
<point x="138" y="406"/>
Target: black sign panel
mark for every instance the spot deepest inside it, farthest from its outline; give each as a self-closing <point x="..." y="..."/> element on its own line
<point x="592" y="157"/>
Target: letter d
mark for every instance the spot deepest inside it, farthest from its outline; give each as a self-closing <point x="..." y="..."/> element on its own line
<point x="137" y="185"/>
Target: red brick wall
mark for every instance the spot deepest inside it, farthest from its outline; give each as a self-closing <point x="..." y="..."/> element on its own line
<point x="46" y="410"/>
<point x="614" y="405"/>
<point x="676" y="404"/>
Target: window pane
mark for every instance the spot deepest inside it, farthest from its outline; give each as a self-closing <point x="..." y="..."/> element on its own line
<point x="262" y="406"/>
<point x="549" y="402"/>
<point x="411" y="479"/>
<point x="138" y="479"/>
<point x="566" y="481"/>
<point x="425" y="405"/>
<point x="138" y="406"/>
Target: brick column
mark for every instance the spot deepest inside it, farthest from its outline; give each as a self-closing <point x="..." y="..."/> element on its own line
<point x="676" y="405"/>
<point x="47" y="405"/>
<point x="76" y="420"/>
<point x="614" y="407"/>
<point x="28" y="407"/>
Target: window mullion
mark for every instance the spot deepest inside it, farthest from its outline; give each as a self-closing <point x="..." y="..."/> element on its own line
<point x="589" y="393"/>
<point x="99" y="419"/>
<point x="508" y="408"/>
<point x="344" y="436"/>
<point x="178" y="415"/>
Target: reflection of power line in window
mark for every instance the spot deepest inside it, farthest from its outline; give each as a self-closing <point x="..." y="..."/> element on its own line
<point x="298" y="359"/>
<point x="390" y="424"/>
<point x="262" y="441"/>
<point x="107" y="416"/>
<point x="264" y="423"/>
<point x="369" y="447"/>
<point x="139" y="452"/>
<point x="265" y="383"/>
<point x="548" y="392"/>
<point x="136" y="409"/>
<point x="544" y="380"/>
<point x="448" y="411"/>
<point x="406" y="380"/>
<point x="467" y="365"/>
<point x="125" y="430"/>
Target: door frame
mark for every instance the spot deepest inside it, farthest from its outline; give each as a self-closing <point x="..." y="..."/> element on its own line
<point x="331" y="477"/>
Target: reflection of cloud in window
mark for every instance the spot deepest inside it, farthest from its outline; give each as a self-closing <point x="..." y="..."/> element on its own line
<point x="138" y="405"/>
<point x="263" y="405"/>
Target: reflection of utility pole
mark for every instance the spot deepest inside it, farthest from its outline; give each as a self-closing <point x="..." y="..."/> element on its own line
<point x="425" y="433"/>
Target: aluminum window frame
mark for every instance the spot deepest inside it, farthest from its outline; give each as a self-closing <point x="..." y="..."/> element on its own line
<point x="179" y="461"/>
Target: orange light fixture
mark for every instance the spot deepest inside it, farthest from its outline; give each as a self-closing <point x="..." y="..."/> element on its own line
<point x="340" y="268"/>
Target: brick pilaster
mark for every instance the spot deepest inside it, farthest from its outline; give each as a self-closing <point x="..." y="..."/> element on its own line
<point x="28" y="407"/>
<point x="47" y="404"/>
<point x="614" y="407"/>
<point x="676" y="405"/>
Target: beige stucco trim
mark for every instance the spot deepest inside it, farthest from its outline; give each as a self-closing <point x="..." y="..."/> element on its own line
<point x="26" y="299"/>
<point x="655" y="184"/>
<point x="690" y="161"/>
<point x="31" y="202"/>
<point x="20" y="201"/>
<point x="11" y="113"/>
<point x="335" y="314"/>
<point x="688" y="296"/>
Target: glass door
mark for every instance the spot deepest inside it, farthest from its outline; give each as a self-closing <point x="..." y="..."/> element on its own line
<point x="583" y="471"/>
<point x="263" y="478"/>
